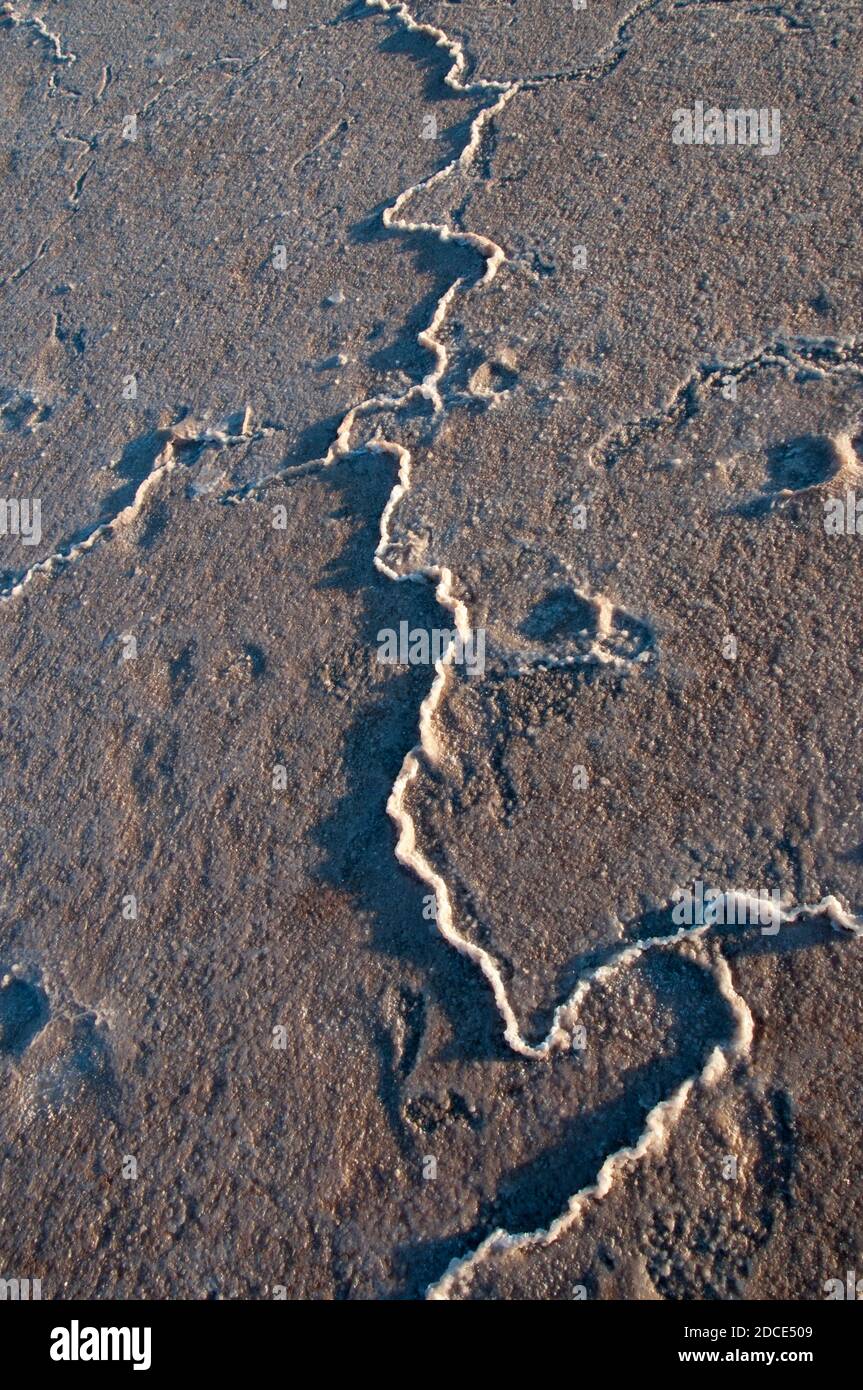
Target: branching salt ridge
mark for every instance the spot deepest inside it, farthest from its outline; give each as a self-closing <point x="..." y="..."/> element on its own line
<point x="661" y="1119"/>
<point x="428" y="388"/>
<point x="166" y="461"/>
<point x="824" y="357"/>
<point x="494" y="256"/>
<point x="9" y="12"/>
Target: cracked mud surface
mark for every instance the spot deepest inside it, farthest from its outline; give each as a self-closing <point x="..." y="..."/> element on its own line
<point x="363" y="980"/>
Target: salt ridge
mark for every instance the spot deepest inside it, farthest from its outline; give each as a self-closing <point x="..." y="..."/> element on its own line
<point x="36" y="22"/>
<point x="661" y="1118"/>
